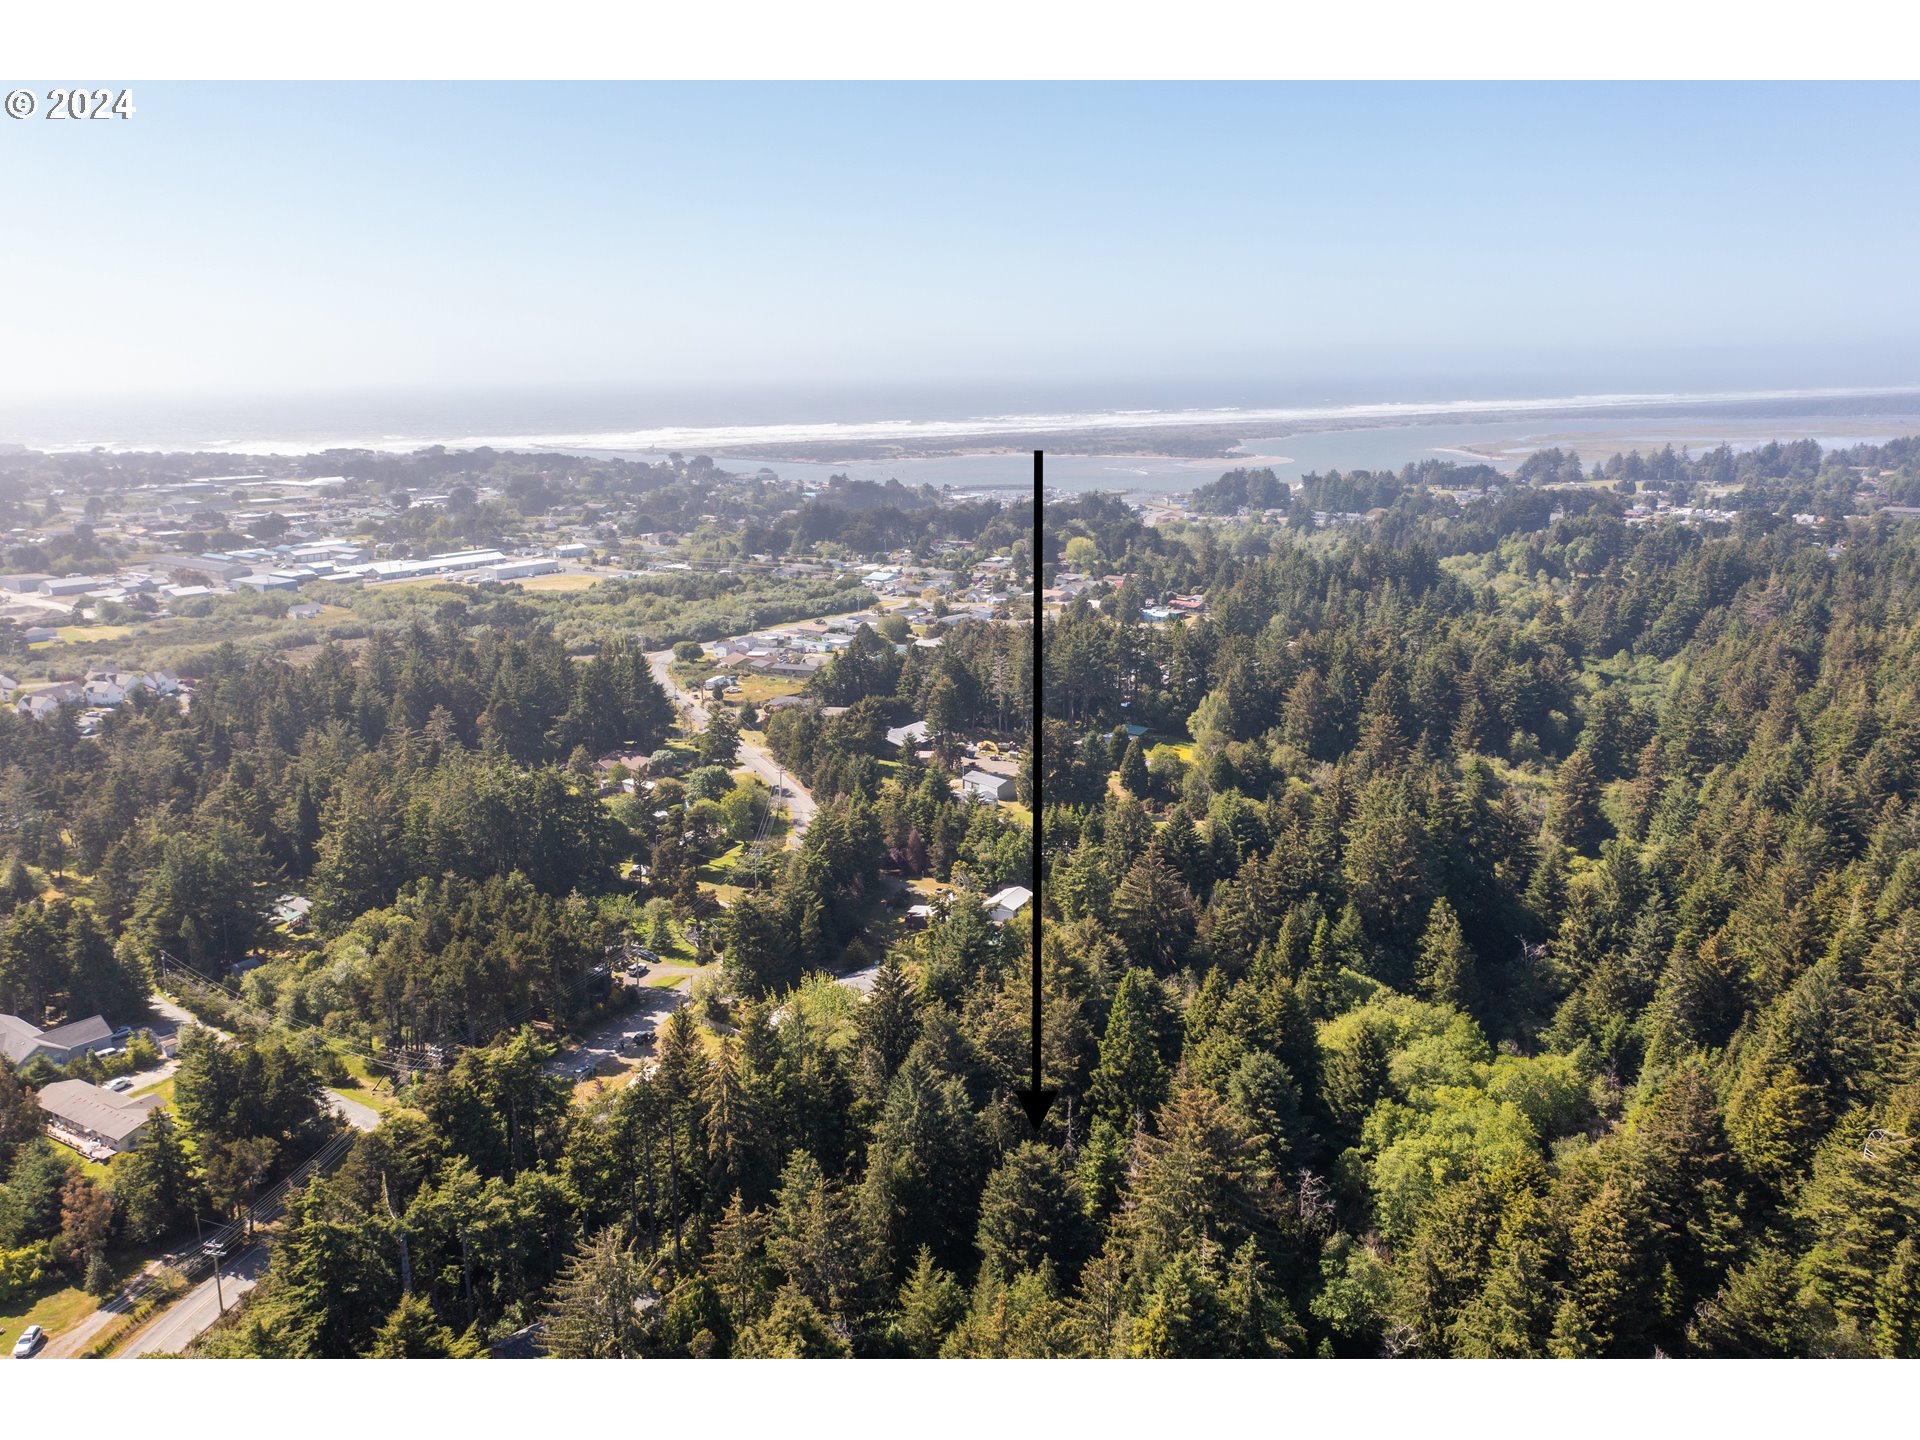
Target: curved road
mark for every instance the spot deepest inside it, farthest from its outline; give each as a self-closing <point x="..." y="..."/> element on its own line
<point x="800" y="804"/>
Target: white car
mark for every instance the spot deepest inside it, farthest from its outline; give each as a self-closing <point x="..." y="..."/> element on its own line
<point x="30" y="1340"/>
<point x="120" y="1083"/>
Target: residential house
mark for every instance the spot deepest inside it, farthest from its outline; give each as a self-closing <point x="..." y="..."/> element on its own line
<point x="49" y="698"/>
<point x="22" y="1040"/>
<point x="1003" y="905"/>
<point x="94" y="1121"/>
<point x="291" y="912"/>
<point x="903" y="737"/>
<point x="984" y="786"/>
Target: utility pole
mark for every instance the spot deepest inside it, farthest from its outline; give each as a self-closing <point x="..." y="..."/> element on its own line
<point x="200" y="1244"/>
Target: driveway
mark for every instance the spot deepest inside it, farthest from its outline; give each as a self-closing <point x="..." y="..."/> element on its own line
<point x="356" y="1113"/>
<point x="859" y="981"/>
<point x="594" y="1051"/>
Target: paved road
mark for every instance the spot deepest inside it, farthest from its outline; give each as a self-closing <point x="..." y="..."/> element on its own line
<point x="358" y="1114"/>
<point x="170" y="1017"/>
<point x="146" y="1078"/>
<point x="799" y="802"/>
<point x="181" y="1323"/>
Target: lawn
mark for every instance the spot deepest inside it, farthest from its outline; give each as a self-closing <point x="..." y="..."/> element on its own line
<point x="758" y="689"/>
<point x="80" y="634"/>
<point x="678" y="953"/>
<point x="52" y="1310"/>
<point x="571" y="580"/>
<point x="362" y="1086"/>
<point x="721" y="866"/>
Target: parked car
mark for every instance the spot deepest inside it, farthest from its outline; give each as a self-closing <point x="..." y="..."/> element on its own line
<point x="120" y="1083"/>
<point x="30" y="1340"/>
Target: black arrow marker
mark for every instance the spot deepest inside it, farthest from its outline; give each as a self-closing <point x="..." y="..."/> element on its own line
<point x="1035" y="1100"/>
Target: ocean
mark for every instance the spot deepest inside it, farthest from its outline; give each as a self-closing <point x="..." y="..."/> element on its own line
<point x="772" y="427"/>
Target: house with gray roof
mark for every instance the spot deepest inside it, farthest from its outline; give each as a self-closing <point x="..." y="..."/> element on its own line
<point x="984" y="785"/>
<point x="22" y="1041"/>
<point x="91" y="1119"/>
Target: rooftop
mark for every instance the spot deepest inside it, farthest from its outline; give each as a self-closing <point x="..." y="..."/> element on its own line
<point x="91" y="1108"/>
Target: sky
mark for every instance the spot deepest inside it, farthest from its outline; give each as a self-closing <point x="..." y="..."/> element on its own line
<point x="1209" y="239"/>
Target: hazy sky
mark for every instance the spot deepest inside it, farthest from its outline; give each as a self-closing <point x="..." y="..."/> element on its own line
<point x="273" y="237"/>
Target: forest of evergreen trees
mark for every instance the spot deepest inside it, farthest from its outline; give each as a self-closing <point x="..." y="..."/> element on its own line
<point x="1505" y="941"/>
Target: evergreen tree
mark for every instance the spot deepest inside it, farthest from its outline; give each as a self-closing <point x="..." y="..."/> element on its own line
<point x="595" y="1313"/>
<point x="414" y="1332"/>
<point x="1032" y="1211"/>
<point x="931" y="1304"/>
<point x="1446" y="967"/>
<point x="1130" y="1078"/>
<point x="1575" y="812"/>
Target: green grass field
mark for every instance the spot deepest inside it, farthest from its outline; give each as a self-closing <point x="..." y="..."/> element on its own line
<point x="53" y="1310"/>
<point x="56" y="1306"/>
<point x="563" y="583"/>
<point x="722" y="865"/>
<point x="758" y="689"/>
<point x="363" y="1085"/>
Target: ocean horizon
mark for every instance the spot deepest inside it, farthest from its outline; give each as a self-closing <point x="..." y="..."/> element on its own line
<point x="1294" y="438"/>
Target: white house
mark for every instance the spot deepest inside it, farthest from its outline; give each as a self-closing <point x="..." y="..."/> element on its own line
<point x="1003" y="905"/>
<point x="49" y="698"/>
<point x="985" y="786"/>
